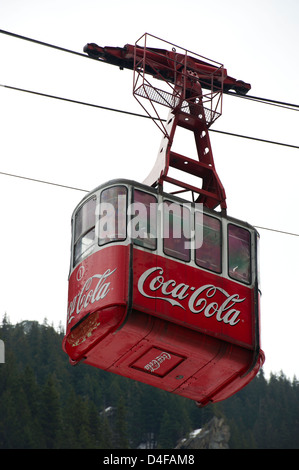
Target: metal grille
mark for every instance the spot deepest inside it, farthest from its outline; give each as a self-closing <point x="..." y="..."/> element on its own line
<point x="165" y="98"/>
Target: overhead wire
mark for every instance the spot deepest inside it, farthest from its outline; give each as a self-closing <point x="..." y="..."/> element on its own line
<point x="289" y="106"/>
<point x="254" y="138"/>
<point x="86" y="191"/>
<point x="43" y="182"/>
<point x="272" y="102"/>
<point x="83" y="103"/>
<point x="277" y="231"/>
<point x="41" y="43"/>
<point x="281" y="104"/>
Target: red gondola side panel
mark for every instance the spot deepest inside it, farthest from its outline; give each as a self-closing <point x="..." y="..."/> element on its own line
<point x="97" y="299"/>
<point x="197" y="299"/>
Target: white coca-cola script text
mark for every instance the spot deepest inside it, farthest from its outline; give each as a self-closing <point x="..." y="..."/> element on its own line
<point x="94" y="289"/>
<point x="155" y="363"/>
<point x="200" y="300"/>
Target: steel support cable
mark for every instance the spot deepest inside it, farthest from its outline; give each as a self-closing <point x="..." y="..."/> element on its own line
<point x="277" y="231"/>
<point x="43" y="182"/>
<point x="41" y="43"/>
<point x="280" y="104"/>
<point x="45" y="95"/>
<point x="254" y="138"/>
<point x="86" y="191"/>
<point x="139" y="115"/>
<point x="290" y="106"/>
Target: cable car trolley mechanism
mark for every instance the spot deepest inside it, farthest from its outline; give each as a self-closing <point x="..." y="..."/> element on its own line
<point x="163" y="284"/>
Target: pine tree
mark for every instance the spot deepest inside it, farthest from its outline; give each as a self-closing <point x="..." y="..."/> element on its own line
<point x="33" y="398"/>
<point x="50" y="414"/>
<point x="94" y="424"/>
<point x="120" y="426"/>
<point x="106" y="434"/>
<point x="46" y="403"/>
<point x="166" y="432"/>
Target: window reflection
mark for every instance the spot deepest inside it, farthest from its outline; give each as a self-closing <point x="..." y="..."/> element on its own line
<point x="176" y="224"/>
<point x="239" y="265"/>
<point x="84" y="230"/>
<point x="113" y="209"/>
<point x="176" y="230"/>
<point x="143" y="224"/>
<point x="208" y="255"/>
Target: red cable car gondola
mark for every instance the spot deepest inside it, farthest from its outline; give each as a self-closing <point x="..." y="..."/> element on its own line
<point x="161" y="289"/>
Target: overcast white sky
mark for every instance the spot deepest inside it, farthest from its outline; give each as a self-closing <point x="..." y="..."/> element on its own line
<point x="82" y="147"/>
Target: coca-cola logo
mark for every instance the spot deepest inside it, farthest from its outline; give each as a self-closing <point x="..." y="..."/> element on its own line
<point x="201" y="300"/>
<point x="155" y="363"/>
<point x="95" y="288"/>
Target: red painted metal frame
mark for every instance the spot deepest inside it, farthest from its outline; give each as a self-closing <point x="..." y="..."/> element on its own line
<point x="184" y="75"/>
<point x="209" y="190"/>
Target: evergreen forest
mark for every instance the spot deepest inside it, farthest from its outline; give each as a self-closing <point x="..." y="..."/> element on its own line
<point x="45" y="403"/>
